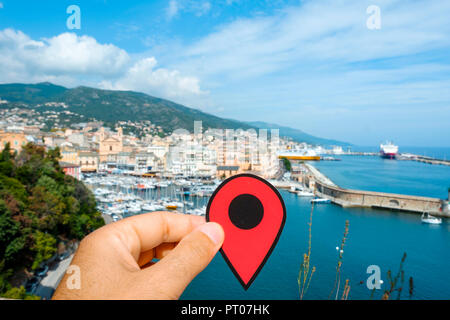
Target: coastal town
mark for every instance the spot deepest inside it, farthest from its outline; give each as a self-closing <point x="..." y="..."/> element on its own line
<point x="88" y="147"/>
<point x="137" y="167"/>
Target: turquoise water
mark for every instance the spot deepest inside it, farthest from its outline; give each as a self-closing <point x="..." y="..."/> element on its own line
<point x="376" y="237"/>
<point x="434" y="152"/>
<point x="376" y="174"/>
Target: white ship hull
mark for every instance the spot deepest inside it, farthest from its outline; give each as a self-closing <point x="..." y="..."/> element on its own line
<point x="388" y="150"/>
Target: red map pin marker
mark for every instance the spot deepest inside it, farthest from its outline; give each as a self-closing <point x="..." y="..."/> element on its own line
<point x="252" y="214"/>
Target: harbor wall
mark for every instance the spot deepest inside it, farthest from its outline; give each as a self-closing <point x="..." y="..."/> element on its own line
<point x="370" y="199"/>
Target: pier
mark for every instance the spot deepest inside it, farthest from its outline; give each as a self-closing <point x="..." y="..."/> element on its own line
<point x="423" y="159"/>
<point x="324" y="187"/>
<point x="405" y="157"/>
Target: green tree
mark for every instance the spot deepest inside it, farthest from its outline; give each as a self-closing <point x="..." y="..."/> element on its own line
<point x="287" y="164"/>
<point x="45" y="248"/>
<point x="39" y="207"/>
<point x="11" y="241"/>
<point x="19" y="293"/>
<point x="7" y="153"/>
<point x="13" y="187"/>
<point x="4" y="275"/>
<point x="6" y="163"/>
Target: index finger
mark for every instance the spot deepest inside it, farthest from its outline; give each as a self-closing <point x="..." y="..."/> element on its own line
<point x="146" y="231"/>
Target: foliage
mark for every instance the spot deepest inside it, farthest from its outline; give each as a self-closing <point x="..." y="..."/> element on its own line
<point x="19" y="293"/>
<point x="45" y="248"/>
<point x="304" y="276"/>
<point x="112" y="106"/>
<point x="39" y="207"/>
<point x="396" y="283"/>
<point x="287" y="164"/>
<point x="337" y="281"/>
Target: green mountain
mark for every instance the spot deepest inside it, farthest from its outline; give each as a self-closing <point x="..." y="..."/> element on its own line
<point x="112" y="106"/>
<point x="298" y="135"/>
<point x="30" y="93"/>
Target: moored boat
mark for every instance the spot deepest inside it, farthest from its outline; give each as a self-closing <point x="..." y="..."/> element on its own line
<point x="302" y="154"/>
<point x="427" y="218"/>
<point x="304" y="193"/>
<point x="320" y="200"/>
<point x="388" y="150"/>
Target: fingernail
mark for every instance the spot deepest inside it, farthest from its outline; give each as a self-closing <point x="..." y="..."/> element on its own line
<point x="213" y="231"/>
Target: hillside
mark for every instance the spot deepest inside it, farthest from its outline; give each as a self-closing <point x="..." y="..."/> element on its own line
<point x="111" y="106"/>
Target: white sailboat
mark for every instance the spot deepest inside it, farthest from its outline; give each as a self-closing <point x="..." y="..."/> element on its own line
<point x="320" y="200"/>
<point x="427" y="218"/>
<point x="304" y="193"/>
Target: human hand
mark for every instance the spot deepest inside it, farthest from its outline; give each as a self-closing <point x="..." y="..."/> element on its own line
<point x="115" y="261"/>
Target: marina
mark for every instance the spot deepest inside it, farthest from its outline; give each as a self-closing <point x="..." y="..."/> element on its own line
<point x="120" y="196"/>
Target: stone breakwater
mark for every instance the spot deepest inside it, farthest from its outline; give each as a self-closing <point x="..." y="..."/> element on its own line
<point x="324" y="187"/>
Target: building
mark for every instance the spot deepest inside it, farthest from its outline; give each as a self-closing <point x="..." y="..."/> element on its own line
<point x="227" y="171"/>
<point x="109" y="143"/>
<point x="15" y="139"/>
<point x="89" y="161"/>
<point x="71" y="169"/>
<point x="77" y="138"/>
<point x="147" y="161"/>
<point x="69" y="154"/>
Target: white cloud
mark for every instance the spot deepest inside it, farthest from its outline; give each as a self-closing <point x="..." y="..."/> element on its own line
<point x="71" y="60"/>
<point x="143" y="76"/>
<point x="314" y="32"/>
<point x="321" y="54"/>
<point x="1" y="5"/>
<point x="66" y="53"/>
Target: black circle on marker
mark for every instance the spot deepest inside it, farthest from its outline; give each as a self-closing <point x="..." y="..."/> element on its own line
<point x="246" y="211"/>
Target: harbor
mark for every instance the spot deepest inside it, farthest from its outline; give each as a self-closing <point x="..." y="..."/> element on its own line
<point x="314" y="183"/>
<point x="423" y="159"/>
<point x="119" y="196"/>
<point x="370" y="199"/>
<point x="122" y="195"/>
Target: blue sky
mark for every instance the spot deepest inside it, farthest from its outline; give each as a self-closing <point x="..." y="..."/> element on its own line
<point x="312" y="65"/>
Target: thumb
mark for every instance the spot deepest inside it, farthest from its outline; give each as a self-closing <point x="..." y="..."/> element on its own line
<point x="192" y="254"/>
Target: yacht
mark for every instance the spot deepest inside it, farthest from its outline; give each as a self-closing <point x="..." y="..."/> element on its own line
<point x="320" y="200"/>
<point x="301" y="154"/>
<point x="148" y="207"/>
<point x="427" y="218"/>
<point x="304" y="193"/>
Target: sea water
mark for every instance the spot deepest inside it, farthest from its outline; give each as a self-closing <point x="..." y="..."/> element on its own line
<point x="376" y="237"/>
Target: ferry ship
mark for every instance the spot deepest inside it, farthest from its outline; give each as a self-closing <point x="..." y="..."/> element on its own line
<point x="388" y="150"/>
<point x="305" y="154"/>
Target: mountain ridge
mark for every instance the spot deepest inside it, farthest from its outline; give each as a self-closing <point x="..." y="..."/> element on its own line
<point x="111" y="106"/>
<point x="299" y="135"/>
